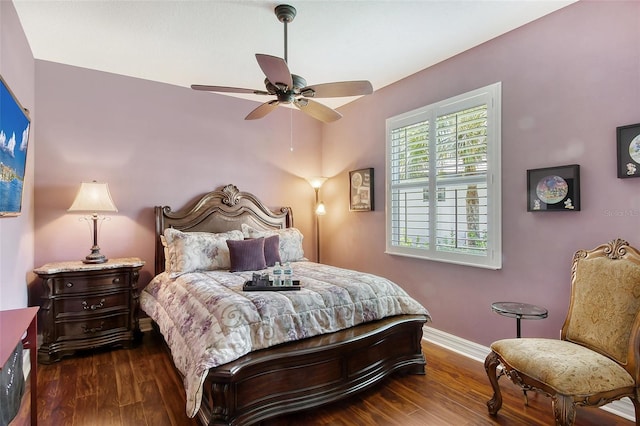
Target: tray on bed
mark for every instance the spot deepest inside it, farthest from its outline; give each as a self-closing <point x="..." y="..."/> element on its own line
<point x="249" y="286"/>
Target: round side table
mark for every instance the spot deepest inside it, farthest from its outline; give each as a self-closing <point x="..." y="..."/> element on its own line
<point x="519" y="311"/>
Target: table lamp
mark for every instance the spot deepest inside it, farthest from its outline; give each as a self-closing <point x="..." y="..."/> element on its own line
<point x="93" y="197"/>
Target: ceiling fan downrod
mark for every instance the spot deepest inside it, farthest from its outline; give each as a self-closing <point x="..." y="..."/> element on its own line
<point x="285" y="14"/>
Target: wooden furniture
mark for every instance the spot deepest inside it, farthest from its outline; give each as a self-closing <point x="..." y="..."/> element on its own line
<point x="13" y="324"/>
<point x="88" y="305"/>
<point x="596" y="360"/>
<point x="519" y="311"/>
<point x="299" y="375"/>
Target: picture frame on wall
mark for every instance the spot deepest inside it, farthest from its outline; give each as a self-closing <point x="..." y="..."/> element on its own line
<point x="554" y="189"/>
<point x="361" y="190"/>
<point x="14" y="138"/>
<point x="628" y="148"/>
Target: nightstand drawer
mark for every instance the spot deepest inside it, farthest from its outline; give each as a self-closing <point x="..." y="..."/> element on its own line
<point x="91" y="304"/>
<point x="81" y="329"/>
<point x="87" y="283"/>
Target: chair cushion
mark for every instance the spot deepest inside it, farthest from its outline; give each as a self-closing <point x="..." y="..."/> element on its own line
<point x="568" y="368"/>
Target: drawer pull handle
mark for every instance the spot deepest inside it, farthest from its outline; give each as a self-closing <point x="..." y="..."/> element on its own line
<point x="93" y="329"/>
<point x="88" y="307"/>
<point x="116" y="280"/>
<point x="69" y="284"/>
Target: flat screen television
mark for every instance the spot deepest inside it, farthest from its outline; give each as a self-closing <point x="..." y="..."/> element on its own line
<point x="14" y="138"/>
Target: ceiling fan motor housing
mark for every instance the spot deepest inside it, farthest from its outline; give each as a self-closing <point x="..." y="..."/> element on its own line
<point x="287" y="94"/>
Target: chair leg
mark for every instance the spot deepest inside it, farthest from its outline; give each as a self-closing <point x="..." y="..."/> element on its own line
<point x="564" y="410"/>
<point x="636" y="407"/>
<point x="490" y="366"/>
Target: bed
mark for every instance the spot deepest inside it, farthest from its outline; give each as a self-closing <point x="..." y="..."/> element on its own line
<point x="243" y="374"/>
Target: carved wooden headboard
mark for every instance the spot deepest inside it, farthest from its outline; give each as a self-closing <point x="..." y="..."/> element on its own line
<point x="221" y="210"/>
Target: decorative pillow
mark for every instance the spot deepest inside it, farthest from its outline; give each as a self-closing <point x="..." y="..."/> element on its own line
<point x="198" y="251"/>
<point x="247" y="255"/>
<point x="165" y="247"/>
<point x="272" y="250"/>
<point x="290" y="244"/>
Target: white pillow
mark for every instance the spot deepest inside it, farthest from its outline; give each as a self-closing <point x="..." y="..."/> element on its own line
<point x="198" y="251"/>
<point x="290" y="241"/>
<point x="165" y="247"/>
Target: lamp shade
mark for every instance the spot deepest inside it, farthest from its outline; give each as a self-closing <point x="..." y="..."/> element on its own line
<point x="93" y="197"/>
<point x="320" y="209"/>
<point x="316" y="182"/>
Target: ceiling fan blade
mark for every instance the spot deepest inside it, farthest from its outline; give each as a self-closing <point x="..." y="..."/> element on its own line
<point x="227" y="89"/>
<point x="262" y="110"/>
<point x="275" y="69"/>
<point x="338" y="89"/>
<point x="317" y="110"/>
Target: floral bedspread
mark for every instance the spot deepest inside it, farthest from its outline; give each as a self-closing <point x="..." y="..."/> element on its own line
<point x="208" y="320"/>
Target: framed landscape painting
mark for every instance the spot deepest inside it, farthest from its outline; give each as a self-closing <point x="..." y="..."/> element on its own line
<point x="14" y="137"/>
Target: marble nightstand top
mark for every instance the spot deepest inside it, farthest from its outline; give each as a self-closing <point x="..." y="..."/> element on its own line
<point x="79" y="266"/>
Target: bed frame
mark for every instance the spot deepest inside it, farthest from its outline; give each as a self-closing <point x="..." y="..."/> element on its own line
<point x="268" y="383"/>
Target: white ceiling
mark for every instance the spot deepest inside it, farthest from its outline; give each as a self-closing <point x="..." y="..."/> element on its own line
<point x="214" y="42"/>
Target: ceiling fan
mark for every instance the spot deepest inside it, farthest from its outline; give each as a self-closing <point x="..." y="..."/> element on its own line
<point x="291" y="88"/>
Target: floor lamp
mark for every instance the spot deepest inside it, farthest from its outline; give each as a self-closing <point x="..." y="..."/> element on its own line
<point x="316" y="183"/>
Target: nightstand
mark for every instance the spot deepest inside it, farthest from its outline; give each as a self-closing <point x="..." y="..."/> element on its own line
<point x="87" y="306"/>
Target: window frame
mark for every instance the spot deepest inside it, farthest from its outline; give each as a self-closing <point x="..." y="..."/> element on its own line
<point x="491" y="96"/>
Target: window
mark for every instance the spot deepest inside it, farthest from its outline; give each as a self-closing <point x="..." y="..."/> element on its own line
<point x="450" y="149"/>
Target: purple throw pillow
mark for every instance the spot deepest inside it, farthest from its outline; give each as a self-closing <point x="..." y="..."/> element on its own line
<point x="272" y="250"/>
<point x="246" y="255"/>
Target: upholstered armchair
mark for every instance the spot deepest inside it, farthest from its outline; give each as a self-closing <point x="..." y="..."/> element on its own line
<point x="596" y="360"/>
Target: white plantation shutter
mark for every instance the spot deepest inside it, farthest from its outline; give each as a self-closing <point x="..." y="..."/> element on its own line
<point x="410" y="177"/>
<point x="443" y="181"/>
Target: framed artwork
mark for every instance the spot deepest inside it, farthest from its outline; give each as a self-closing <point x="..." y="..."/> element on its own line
<point x="628" y="138"/>
<point x="554" y="189"/>
<point x="14" y="136"/>
<point x="361" y="190"/>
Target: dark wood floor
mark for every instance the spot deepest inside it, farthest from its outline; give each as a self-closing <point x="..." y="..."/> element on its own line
<point x="141" y="387"/>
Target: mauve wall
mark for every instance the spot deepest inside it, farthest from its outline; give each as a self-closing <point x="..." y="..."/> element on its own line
<point x="156" y="144"/>
<point x="568" y="80"/>
<point x="16" y="233"/>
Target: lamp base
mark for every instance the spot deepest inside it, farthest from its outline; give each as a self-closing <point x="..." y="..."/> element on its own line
<point x="95" y="257"/>
<point x="100" y="260"/>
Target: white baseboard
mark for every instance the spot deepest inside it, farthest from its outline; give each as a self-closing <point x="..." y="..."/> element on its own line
<point x="623" y="408"/>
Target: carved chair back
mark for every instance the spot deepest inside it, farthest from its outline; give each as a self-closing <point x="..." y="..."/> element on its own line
<point x="604" y="313"/>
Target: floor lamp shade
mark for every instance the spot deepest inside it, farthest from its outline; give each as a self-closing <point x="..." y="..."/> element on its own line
<point x="316" y="182"/>
<point x="93" y="197"/>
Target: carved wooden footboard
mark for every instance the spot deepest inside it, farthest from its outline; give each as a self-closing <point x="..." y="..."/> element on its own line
<point x="312" y="372"/>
